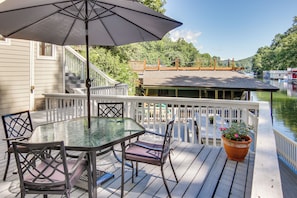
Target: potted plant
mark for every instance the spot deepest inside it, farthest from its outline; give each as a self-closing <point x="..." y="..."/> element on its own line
<point x="236" y="141"/>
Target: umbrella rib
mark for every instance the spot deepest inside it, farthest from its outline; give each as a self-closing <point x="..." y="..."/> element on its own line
<point x="75" y="17"/>
<point x="33" y="23"/>
<point x="129" y="21"/>
<point x="41" y="19"/>
<point x="70" y="14"/>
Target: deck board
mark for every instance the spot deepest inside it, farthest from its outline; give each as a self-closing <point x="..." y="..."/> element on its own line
<point x="213" y="177"/>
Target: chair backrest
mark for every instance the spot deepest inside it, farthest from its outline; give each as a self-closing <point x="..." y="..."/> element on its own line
<point x="17" y="125"/>
<point x="111" y="110"/>
<point x="167" y="140"/>
<point x="43" y="168"/>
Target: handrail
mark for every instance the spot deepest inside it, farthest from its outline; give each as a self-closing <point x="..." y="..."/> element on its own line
<point x="199" y="64"/>
<point x="74" y="62"/>
<point x="286" y="149"/>
<point x="266" y="178"/>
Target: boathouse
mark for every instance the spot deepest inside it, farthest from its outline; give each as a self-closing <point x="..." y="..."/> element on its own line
<point x="202" y="84"/>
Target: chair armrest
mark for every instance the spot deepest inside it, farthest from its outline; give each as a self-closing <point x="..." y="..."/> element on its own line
<point x="15" y="138"/>
<point x="146" y="146"/>
<point x="154" y="133"/>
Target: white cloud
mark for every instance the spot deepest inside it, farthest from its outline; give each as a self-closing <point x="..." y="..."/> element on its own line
<point x="188" y="35"/>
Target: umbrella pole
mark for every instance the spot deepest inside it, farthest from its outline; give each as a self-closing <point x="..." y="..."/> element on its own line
<point x="88" y="81"/>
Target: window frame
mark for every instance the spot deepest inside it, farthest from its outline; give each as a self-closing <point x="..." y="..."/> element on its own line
<point x="44" y="57"/>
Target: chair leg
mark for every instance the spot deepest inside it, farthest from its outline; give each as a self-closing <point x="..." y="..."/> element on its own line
<point x="172" y="169"/>
<point x="67" y="194"/>
<point x="7" y="166"/>
<point x="164" y="181"/>
<point x="132" y="172"/>
<point x="136" y="169"/>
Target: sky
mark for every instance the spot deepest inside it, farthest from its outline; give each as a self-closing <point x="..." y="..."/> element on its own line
<point x="230" y="28"/>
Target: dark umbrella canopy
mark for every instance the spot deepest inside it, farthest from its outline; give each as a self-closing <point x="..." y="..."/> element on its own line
<point x="62" y="22"/>
<point x="83" y="22"/>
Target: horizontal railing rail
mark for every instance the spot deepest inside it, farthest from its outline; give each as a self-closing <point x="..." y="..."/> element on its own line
<point x="286" y="149"/>
<point x="117" y="89"/>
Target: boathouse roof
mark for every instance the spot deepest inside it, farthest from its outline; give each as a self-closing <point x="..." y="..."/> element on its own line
<point x="205" y="79"/>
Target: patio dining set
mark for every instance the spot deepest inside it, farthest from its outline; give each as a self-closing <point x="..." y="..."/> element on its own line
<point x="54" y="157"/>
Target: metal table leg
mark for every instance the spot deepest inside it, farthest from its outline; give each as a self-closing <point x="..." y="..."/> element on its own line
<point x="92" y="176"/>
<point x="123" y="169"/>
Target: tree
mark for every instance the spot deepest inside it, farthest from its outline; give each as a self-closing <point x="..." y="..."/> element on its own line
<point x="281" y="54"/>
<point x="156" y="5"/>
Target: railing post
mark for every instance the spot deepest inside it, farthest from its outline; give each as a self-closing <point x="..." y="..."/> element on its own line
<point x="176" y="64"/>
<point x="158" y="64"/>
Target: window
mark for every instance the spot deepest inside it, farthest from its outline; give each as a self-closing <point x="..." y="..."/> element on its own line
<point x="46" y="51"/>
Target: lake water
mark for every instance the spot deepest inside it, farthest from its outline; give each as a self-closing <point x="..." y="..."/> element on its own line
<point x="284" y="107"/>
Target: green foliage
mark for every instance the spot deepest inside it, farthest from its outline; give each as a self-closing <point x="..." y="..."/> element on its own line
<point x="237" y="131"/>
<point x="281" y="54"/>
<point x="245" y="63"/>
<point x="156" y="5"/>
<point x="113" y="65"/>
<point x="164" y="50"/>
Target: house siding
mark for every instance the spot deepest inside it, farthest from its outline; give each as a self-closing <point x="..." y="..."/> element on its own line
<point x="15" y="87"/>
<point x="14" y="76"/>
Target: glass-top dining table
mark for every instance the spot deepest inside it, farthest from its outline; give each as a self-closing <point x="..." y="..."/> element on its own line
<point x="103" y="133"/>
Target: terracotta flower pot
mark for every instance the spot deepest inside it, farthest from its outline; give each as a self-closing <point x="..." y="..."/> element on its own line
<point x="237" y="150"/>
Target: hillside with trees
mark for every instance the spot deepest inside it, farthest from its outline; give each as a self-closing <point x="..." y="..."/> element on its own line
<point x="280" y="55"/>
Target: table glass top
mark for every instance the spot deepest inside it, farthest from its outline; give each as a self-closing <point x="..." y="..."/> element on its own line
<point x="75" y="132"/>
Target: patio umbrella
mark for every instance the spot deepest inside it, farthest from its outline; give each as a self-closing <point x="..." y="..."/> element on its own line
<point x="83" y="22"/>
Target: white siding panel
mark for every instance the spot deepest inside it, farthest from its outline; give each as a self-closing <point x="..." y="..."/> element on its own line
<point x="14" y="76"/>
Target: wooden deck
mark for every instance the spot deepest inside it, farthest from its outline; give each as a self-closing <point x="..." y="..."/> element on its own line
<point x="203" y="171"/>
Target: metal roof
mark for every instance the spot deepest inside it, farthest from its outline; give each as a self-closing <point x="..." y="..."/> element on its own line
<point x="205" y="79"/>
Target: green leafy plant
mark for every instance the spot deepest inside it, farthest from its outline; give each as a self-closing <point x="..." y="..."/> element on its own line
<point x="211" y="119"/>
<point x="237" y="131"/>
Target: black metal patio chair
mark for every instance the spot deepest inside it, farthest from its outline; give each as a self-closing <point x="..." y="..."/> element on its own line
<point x="152" y="153"/>
<point x="17" y="126"/>
<point x="45" y="170"/>
<point x="111" y="110"/>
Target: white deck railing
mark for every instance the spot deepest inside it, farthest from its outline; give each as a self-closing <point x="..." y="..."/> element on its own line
<point x="154" y="112"/>
<point x="286" y="149"/>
